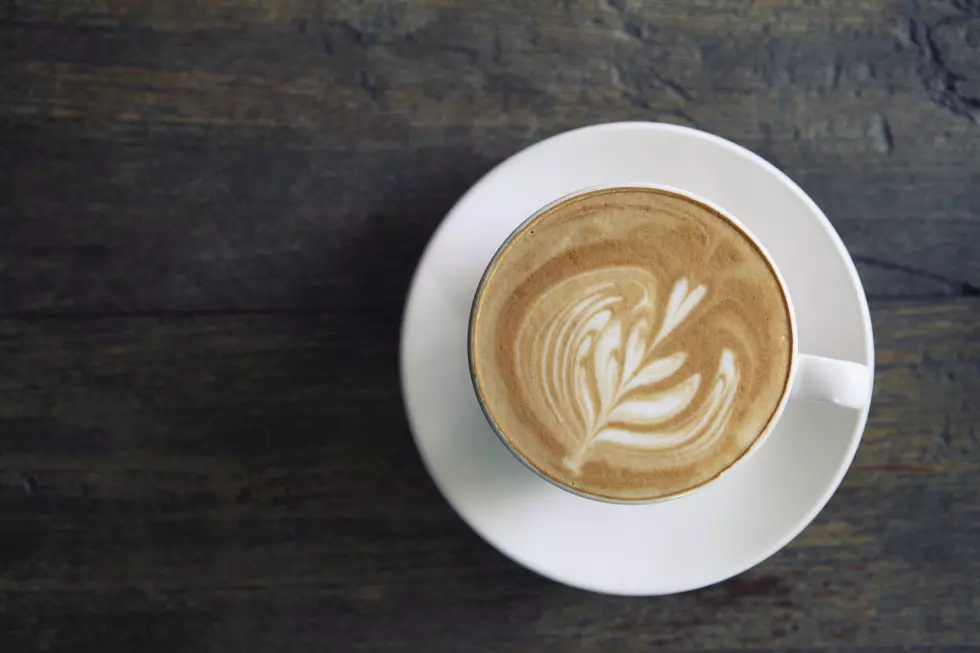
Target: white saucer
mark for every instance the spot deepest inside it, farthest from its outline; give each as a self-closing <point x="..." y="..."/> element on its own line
<point x="700" y="539"/>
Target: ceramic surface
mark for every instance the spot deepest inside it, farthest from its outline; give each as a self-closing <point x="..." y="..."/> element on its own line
<point x="698" y="539"/>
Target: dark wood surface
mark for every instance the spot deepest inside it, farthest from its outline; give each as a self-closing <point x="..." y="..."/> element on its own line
<point x="209" y="213"/>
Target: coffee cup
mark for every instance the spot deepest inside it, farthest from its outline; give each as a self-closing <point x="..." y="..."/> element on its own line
<point x="634" y="343"/>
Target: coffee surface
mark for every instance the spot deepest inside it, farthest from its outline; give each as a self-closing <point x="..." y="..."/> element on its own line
<point x="631" y="343"/>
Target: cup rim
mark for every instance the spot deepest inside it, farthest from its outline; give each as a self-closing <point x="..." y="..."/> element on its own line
<point x="686" y="195"/>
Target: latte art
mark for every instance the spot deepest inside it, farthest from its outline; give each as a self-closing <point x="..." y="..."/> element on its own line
<point x="601" y="367"/>
<point x="630" y="343"/>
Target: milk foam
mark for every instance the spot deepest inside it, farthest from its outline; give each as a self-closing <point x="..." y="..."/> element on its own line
<point x="601" y="367"/>
<point x="631" y="343"/>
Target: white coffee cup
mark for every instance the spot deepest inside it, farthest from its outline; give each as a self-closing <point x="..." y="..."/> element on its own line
<point x="815" y="378"/>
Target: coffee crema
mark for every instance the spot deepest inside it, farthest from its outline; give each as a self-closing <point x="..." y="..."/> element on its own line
<point x="631" y="343"/>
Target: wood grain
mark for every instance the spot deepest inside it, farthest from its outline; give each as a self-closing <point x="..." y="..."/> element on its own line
<point x="250" y="480"/>
<point x="223" y="155"/>
<point x="210" y="213"/>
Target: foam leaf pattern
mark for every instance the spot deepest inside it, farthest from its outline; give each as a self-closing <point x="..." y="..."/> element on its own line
<point x="610" y="373"/>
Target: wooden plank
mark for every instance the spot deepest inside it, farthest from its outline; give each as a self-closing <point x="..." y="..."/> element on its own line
<point x="218" y="205"/>
<point x="232" y="155"/>
<point x="249" y="482"/>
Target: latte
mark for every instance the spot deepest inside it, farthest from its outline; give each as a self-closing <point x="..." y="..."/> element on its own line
<point x="630" y="343"/>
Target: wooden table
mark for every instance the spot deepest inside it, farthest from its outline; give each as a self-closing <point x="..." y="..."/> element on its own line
<point x="210" y="212"/>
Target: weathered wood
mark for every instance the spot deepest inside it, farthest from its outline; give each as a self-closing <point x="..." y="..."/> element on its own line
<point x="236" y="155"/>
<point x="249" y="480"/>
<point x="209" y="215"/>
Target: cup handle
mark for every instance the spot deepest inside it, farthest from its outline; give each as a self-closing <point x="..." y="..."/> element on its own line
<point x="832" y="381"/>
